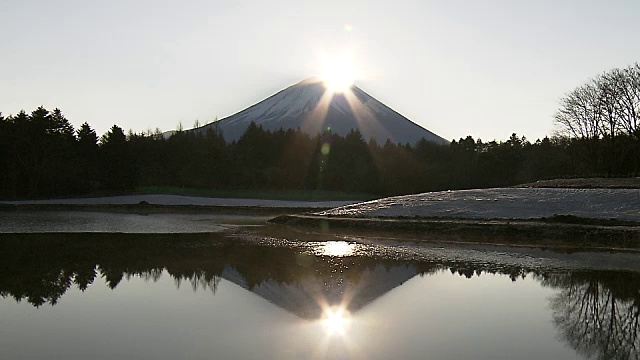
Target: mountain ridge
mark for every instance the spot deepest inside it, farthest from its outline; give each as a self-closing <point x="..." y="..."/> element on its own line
<point x="310" y="107"/>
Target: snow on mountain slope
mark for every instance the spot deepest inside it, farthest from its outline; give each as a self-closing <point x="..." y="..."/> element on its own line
<point x="308" y="106"/>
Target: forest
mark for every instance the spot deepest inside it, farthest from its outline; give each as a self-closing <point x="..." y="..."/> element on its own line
<point x="42" y="155"/>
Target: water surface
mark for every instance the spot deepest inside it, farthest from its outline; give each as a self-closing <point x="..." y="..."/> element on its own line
<point x="204" y="296"/>
<point x="113" y="222"/>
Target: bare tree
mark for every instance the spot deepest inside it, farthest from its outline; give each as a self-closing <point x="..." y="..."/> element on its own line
<point x="580" y="112"/>
<point x="626" y="83"/>
<point x="606" y="106"/>
<point x="608" y="95"/>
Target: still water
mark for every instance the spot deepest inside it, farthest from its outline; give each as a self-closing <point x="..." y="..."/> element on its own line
<point x="215" y="296"/>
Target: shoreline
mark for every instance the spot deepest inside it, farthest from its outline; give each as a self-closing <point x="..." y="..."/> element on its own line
<point x="145" y="208"/>
<point x="504" y="232"/>
<point x="558" y="232"/>
<point x="460" y="217"/>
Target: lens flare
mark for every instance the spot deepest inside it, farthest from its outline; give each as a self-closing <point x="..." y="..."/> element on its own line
<point x="325" y="149"/>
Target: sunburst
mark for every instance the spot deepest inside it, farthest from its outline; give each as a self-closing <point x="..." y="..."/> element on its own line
<point x="338" y="74"/>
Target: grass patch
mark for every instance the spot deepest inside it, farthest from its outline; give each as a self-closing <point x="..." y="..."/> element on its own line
<point x="291" y="195"/>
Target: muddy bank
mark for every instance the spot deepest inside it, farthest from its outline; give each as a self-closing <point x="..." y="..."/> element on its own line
<point x="146" y="208"/>
<point x="550" y="232"/>
<point x="165" y="199"/>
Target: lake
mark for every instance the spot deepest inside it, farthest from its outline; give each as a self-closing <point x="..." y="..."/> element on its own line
<point x="235" y="293"/>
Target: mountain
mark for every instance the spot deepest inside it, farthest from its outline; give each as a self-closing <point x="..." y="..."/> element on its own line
<point x="308" y="106"/>
<point x="304" y="296"/>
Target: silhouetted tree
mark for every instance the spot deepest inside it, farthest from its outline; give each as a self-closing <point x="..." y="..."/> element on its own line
<point x="602" y="114"/>
<point x="88" y="157"/>
<point x="118" y="171"/>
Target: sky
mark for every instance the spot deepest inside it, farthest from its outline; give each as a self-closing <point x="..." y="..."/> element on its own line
<point x="480" y="68"/>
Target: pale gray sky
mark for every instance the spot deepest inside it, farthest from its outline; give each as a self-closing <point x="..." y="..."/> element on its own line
<point x="484" y="68"/>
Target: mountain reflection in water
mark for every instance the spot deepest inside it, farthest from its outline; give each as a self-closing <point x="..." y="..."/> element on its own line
<point x="595" y="312"/>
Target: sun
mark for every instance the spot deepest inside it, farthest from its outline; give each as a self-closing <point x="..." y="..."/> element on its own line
<point x="338" y="74"/>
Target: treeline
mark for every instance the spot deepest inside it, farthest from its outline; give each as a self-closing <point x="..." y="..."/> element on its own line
<point x="42" y="155"/>
<point x="606" y="107"/>
<point x="604" y="114"/>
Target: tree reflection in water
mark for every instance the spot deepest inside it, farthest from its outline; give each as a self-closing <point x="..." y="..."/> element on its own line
<point x="596" y="312"/>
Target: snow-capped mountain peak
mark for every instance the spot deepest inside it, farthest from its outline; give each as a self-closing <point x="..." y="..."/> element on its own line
<point x="308" y="106"/>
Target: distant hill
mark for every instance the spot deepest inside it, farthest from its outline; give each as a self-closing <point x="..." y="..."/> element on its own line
<point x="308" y="106"/>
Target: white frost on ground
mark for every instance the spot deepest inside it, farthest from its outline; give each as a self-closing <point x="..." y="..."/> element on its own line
<point x="184" y="200"/>
<point x="505" y="203"/>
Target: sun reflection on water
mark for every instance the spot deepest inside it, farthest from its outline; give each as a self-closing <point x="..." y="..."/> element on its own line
<point x="337" y="248"/>
<point x="336" y="320"/>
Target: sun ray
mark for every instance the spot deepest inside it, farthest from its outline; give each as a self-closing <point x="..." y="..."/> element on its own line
<point x="337" y="78"/>
<point x="366" y="119"/>
<point x="313" y="122"/>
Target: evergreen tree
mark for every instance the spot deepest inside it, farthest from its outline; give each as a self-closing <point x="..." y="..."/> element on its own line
<point x="118" y="171"/>
<point x="88" y="157"/>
